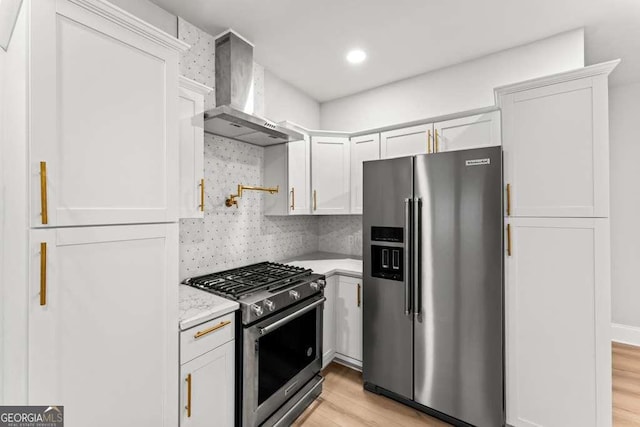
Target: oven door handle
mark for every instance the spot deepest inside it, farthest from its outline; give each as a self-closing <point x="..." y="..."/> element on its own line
<point x="275" y="325"/>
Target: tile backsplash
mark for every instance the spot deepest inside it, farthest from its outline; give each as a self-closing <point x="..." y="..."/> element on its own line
<point x="231" y="237"/>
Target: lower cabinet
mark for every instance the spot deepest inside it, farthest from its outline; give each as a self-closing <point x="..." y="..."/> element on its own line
<point x="329" y="321"/>
<point x="557" y="300"/>
<point x="207" y="374"/>
<point x="348" y="318"/>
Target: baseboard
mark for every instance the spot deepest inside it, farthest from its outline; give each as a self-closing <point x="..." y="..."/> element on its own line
<point x="625" y="334"/>
<point x="348" y="362"/>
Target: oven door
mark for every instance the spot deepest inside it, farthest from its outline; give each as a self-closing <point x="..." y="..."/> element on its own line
<point x="281" y="354"/>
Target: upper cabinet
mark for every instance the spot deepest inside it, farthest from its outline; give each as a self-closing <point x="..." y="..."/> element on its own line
<point x="406" y="142"/>
<point x="330" y="174"/>
<point x="191" y="196"/>
<point x="103" y="101"/>
<point x="288" y="166"/>
<point x="363" y="148"/>
<point x="556" y="144"/>
<point x="481" y="130"/>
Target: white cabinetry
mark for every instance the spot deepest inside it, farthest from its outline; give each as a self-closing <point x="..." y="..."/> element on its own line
<point x="557" y="282"/>
<point x="558" y="358"/>
<point x="289" y="167"/>
<point x="329" y="321"/>
<point x="363" y="148"/>
<point x="330" y="174"/>
<point x="103" y="322"/>
<point x="191" y="136"/>
<point x="556" y="148"/>
<point x="207" y="372"/>
<point x="481" y="130"/>
<point x="348" y="312"/>
<point x="406" y="141"/>
<point x="103" y="108"/>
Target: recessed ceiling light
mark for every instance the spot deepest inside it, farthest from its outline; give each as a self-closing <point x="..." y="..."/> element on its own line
<point x="356" y="56"/>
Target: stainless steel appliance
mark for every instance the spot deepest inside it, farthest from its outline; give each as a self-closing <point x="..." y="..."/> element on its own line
<point x="279" y="340"/>
<point x="433" y="284"/>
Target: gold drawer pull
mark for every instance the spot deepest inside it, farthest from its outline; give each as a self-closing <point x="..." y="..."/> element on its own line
<point x="188" y="407"/>
<point x="508" y="199"/>
<point x="359" y="299"/>
<point x="437" y="142"/>
<point x="509" y="239"/>
<point x="43" y="273"/>
<point x="293" y="199"/>
<point x="429" y="141"/>
<point x="315" y="200"/>
<point x="211" y="329"/>
<point x="202" y="195"/>
<point x="43" y="192"/>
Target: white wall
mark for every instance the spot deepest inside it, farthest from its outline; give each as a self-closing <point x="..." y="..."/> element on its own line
<point x="624" y="112"/>
<point x="460" y="87"/>
<point x="286" y="102"/>
<point x="151" y="13"/>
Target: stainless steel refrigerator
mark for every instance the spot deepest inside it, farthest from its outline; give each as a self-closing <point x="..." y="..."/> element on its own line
<point x="433" y="284"/>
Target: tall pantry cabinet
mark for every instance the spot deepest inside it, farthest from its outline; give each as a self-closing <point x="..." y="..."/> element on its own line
<point x="90" y="171"/>
<point x="557" y="279"/>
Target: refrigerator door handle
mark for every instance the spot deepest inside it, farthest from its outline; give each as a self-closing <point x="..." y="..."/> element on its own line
<point x="417" y="255"/>
<point x="407" y="256"/>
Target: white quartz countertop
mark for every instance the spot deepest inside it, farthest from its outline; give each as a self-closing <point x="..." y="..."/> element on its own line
<point x="329" y="263"/>
<point x="198" y="306"/>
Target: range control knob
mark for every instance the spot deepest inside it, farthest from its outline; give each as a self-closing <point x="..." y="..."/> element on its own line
<point x="322" y="283"/>
<point x="294" y="294"/>
<point x="315" y="286"/>
<point x="270" y="304"/>
<point x="257" y="310"/>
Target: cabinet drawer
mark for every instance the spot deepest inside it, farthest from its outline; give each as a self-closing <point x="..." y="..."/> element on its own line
<point x="205" y="337"/>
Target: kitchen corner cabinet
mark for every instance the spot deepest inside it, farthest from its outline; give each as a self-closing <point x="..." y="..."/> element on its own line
<point x="406" y="141"/>
<point x="558" y="346"/>
<point x="102" y="106"/>
<point x="363" y="148"/>
<point x="102" y="319"/>
<point x="477" y="131"/>
<point x="207" y="373"/>
<point x="289" y="167"/>
<point x="191" y="196"/>
<point x="556" y="144"/>
<point x="348" y="315"/>
<point x="329" y="321"/>
<point x="330" y="175"/>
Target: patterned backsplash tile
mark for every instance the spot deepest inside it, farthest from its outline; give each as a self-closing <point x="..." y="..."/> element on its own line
<point x="340" y="234"/>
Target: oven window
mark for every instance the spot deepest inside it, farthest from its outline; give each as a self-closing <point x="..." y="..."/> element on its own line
<point x="284" y="352"/>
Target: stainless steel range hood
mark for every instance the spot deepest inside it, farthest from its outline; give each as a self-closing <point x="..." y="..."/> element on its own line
<point x="234" y="118"/>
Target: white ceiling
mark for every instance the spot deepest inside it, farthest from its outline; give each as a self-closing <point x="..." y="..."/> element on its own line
<point x="305" y="42"/>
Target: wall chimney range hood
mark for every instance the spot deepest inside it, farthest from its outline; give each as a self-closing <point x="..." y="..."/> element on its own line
<point x="234" y="118"/>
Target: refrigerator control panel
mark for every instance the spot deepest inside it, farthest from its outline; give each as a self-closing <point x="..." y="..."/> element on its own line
<point x="387" y="234"/>
<point x="387" y="262"/>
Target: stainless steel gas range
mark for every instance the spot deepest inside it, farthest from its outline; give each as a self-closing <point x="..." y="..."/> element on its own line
<point x="279" y="342"/>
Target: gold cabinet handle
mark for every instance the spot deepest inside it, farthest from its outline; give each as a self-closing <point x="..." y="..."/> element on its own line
<point x="429" y="141"/>
<point x="293" y="199"/>
<point x="202" y="195"/>
<point x="43" y="273"/>
<point x="188" y="407"/>
<point x="437" y="142"/>
<point x="43" y="192"/>
<point x="211" y="329"/>
<point x="359" y="299"/>
<point x="509" y="239"/>
<point x="315" y="200"/>
<point x="508" y="199"/>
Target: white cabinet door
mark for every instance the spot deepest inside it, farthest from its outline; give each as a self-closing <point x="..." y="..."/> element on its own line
<point x="191" y="137"/>
<point x="482" y="130"/>
<point x="103" y="323"/>
<point x="209" y="381"/>
<point x="103" y="106"/>
<point x="299" y="168"/>
<point x="558" y="346"/>
<point x="363" y="148"/>
<point x="349" y="319"/>
<point x="556" y="149"/>
<point x="329" y="321"/>
<point x="406" y="142"/>
<point x="330" y="175"/>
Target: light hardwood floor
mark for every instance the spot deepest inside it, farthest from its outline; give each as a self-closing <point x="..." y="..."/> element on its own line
<point x="344" y="402"/>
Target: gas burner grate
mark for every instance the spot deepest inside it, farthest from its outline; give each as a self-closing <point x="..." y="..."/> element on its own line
<point x="243" y="281"/>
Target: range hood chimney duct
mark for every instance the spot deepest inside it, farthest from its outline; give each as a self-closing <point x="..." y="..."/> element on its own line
<point x="233" y="117"/>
